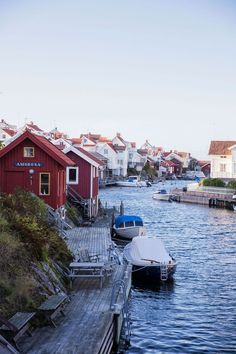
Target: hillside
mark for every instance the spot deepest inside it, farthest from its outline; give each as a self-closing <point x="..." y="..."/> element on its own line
<point x="33" y="257"/>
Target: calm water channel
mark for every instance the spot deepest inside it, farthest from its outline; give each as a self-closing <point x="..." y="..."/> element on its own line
<point x="197" y="313"/>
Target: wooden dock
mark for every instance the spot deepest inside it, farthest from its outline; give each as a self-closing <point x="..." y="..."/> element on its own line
<point x="219" y="200"/>
<point x="91" y="323"/>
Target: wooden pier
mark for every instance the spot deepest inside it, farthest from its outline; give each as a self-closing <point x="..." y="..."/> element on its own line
<point x="93" y="317"/>
<point x="217" y="200"/>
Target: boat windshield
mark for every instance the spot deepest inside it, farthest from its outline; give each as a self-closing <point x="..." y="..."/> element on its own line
<point x="129" y="223"/>
<point x="138" y="223"/>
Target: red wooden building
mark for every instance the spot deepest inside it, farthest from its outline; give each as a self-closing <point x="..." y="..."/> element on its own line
<point x="82" y="179"/>
<point x="33" y="163"/>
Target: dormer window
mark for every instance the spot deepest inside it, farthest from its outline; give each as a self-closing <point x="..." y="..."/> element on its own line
<point x="28" y="151"/>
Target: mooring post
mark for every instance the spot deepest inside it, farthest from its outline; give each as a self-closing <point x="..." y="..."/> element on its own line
<point x="121" y="208"/>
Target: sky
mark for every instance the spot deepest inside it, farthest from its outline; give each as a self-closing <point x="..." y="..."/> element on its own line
<point x="149" y="69"/>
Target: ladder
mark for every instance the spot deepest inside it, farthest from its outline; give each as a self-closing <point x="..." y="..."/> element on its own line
<point x="163" y="272"/>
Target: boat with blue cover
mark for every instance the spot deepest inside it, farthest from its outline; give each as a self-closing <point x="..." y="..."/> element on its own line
<point x="129" y="226"/>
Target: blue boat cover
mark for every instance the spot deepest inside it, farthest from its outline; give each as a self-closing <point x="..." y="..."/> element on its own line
<point x="123" y="218"/>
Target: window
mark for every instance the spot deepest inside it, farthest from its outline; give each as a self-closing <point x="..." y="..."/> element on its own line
<point x="44" y="184"/>
<point x="28" y="151"/>
<point x="105" y="151"/>
<point x="222" y="167"/>
<point x="234" y="167"/>
<point x="72" y="175"/>
<point x="129" y="223"/>
<point x="138" y="223"/>
<point x="130" y="156"/>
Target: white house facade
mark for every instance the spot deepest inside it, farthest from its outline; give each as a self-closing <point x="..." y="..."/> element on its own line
<point x="223" y="159"/>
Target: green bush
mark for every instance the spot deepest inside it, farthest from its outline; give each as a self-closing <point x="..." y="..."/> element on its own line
<point x="26" y="216"/>
<point x="26" y="238"/>
<point x="232" y="184"/>
<point x="213" y="182"/>
<point x="149" y="169"/>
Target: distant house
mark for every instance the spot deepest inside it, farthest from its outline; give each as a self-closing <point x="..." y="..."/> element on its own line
<point x="33" y="128"/>
<point x="82" y="179"/>
<point x="205" y="167"/>
<point x="108" y="151"/>
<point x="33" y="163"/>
<point x="120" y="147"/>
<point x="223" y="159"/>
<point x="6" y="133"/>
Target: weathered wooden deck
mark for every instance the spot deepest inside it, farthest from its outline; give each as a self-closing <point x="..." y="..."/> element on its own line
<point x="87" y="316"/>
<point x="96" y="239"/>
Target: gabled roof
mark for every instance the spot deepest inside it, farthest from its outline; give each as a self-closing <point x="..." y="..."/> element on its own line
<point x="168" y="163"/>
<point x="98" y="156"/>
<point x="33" y="126"/>
<point x="75" y="140"/>
<point x="85" y="155"/>
<point x="203" y="163"/>
<point x="119" y="148"/>
<point x="10" y="132"/>
<point x="42" y="143"/>
<point x="221" y="147"/>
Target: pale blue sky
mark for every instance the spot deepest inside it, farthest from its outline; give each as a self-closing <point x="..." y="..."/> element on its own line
<point x="150" y="69"/>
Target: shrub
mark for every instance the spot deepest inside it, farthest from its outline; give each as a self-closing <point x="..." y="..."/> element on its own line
<point x="232" y="184"/>
<point x="213" y="182"/>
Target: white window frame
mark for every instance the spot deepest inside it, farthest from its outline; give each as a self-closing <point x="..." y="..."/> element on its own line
<point x="27" y="149"/>
<point x="234" y="167"/>
<point x="68" y="174"/>
<point x="223" y="167"/>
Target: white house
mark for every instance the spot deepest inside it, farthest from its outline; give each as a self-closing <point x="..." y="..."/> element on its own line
<point x="135" y="160"/>
<point x="120" y="146"/>
<point x="223" y="159"/>
<point x="107" y="150"/>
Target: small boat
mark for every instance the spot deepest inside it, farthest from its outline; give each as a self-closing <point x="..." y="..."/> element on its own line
<point x="133" y="181"/>
<point x="162" y="194"/>
<point x="149" y="258"/>
<point x="129" y="226"/>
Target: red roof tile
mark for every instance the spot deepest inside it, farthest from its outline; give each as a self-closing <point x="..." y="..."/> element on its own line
<point x="221" y="147"/>
<point x="9" y="131"/>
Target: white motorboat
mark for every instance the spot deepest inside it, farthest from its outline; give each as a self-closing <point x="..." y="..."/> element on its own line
<point x="162" y="194"/>
<point x="129" y="226"/>
<point x="150" y="259"/>
<point x="133" y="181"/>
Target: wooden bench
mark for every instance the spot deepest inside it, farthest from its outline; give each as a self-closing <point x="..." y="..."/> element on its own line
<point x="50" y="308"/>
<point x="16" y="326"/>
<point x="87" y="270"/>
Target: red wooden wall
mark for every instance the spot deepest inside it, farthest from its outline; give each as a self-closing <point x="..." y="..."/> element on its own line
<point x="12" y="176"/>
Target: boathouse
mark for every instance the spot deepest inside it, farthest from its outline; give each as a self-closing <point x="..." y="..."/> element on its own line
<point x="82" y="179"/>
<point x="33" y="163"/>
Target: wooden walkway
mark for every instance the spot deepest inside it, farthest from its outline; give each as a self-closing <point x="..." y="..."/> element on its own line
<point x="88" y="315"/>
<point x="96" y="239"/>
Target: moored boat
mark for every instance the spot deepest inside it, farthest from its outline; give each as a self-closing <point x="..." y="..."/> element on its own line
<point x="162" y="194"/>
<point x="133" y="181"/>
<point x="150" y="259"/>
<point x="129" y="226"/>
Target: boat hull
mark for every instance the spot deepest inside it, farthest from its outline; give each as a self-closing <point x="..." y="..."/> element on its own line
<point x="131" y="184"/>
<point x="152" y="273"/>
<point x="163" y="197"/>
<point x="130" y="232"/>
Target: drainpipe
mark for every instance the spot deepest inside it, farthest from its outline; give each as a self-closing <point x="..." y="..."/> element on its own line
<point x="91" y="190"/>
